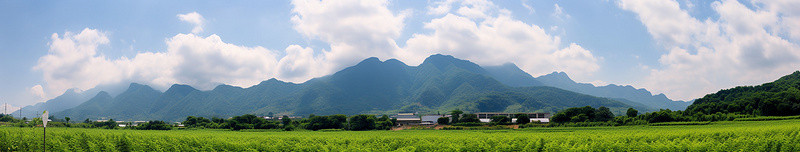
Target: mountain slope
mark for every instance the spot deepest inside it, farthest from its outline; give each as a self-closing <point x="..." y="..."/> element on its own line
<point x="511" y="75"/>
<point x="778" y="98"/>
<point x="440" y="83"/>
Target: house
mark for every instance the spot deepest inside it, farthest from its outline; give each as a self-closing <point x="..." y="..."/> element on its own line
<point x="540" y="117"/>
<point x="404" y="119"/>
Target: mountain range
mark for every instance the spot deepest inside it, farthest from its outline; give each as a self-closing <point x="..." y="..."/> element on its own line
<point x="440" y="84"/>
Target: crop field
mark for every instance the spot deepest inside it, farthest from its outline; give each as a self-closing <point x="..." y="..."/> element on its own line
<point x="779" y="135"/>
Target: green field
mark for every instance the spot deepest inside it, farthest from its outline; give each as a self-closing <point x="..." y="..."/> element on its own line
<point x="780" y="135"/>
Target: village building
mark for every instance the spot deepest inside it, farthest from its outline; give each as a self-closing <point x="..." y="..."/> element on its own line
<point x="405" y="119"/>
<point x="535" y="117"/>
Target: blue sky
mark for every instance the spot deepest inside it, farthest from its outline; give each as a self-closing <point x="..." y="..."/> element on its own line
<point x="684" y="49"/>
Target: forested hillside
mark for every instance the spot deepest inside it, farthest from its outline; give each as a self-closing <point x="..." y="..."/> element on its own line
<point x="441" y="83"/>
<point x="778" y="98"/>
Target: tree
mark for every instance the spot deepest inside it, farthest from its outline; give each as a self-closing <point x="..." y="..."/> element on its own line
<point x="192" y="121"/>
<point x="523" y="118"/>
<point x="443" y="120"/>
<point x="603" y="114"/>
<point x="384" y="123"/>
<point x="87" y="121"/>
<point x="632" y="112"/>
<point x="470" y="118"/>
<point x="67" y="119"/>
<point x="502" y="120"/>
<point x="285" y="120"/>
<point x="361" y="122"/>
<point x="154" y="125"/>
<point x="456" y="114"/>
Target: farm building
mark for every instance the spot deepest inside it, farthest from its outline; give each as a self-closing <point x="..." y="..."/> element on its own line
<point x="404" y="119"/>
<point x="431" y="119"/>
<point x="540" y="117"/>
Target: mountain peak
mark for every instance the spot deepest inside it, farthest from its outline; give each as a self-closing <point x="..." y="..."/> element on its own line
<point x="444" y="62"/>
<point x="557" y="76"/>
<point x="369" y="60"/>
<point x="180" y="89"/>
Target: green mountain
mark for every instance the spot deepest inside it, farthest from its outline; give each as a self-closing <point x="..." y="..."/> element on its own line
<point x="778" y="98"/>
<point x="641" y="99"/>
<point x="441" y="83"/>
<point x="69" y="99"/>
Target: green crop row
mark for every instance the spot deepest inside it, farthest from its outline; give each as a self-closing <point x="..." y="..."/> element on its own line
<point x="781" y="135"/>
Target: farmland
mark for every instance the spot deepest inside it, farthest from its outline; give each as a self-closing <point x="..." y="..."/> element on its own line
<point x="779" y="135"/>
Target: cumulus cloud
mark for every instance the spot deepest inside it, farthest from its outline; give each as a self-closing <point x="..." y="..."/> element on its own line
<point x="38" y="93"/>
<point x="495" y="38"/>
<point x="743" y="46"/>
<point x="73" y="61"/>
<point x="476" y="30"/>
<point x="203" y="62"/>
<point x="355" y="30"/>
<point x="195" y="19"/>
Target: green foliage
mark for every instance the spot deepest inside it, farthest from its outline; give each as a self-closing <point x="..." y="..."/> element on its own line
<point x="325" y="122"/>
<point x="468" y="124"/>
<point x="7" y="118"/>
<point x="456" y="114"/>
<point x="501" y="120"/>
<point x="361" y="122"/>
<point x="192" y="122"/>
<point x="767" y="118"/>
<point x="467" y="118"/>
<point x="581" y="114"/>
<point x="632" y="112"/>
<point x="680" y="123"/>
<point x="249" y="121"/>
<point x="154" y="125"/>
<point x="778" y="98"/>
<point x="443" y="120"/>
<point x="780" y="135"/>
<point x="523" y="118"/>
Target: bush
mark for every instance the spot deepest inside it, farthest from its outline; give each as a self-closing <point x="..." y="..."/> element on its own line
<point x="468" y="124"/>
<point x="523" y="118"/>
<point x="501" y="120"/>
<point x="443" y="120"/>
<point x="154" y="125"/>
<point x="681" y="123"/>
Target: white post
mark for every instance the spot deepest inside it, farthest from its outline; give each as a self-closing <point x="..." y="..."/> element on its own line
<point x="44" y="124"/>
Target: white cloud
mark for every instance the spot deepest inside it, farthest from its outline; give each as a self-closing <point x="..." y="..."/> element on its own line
<point x="476" y="30"/>
<point x="528" y="7"/>
<point x="742" y="47"/>
<point x="73" y="62"/>
<point x="354" y="29"/>
<point x="558" y="12"/>
<point x="496" y="39"/>
<point x="195" y="19"/>
<point x="38" y="93"/>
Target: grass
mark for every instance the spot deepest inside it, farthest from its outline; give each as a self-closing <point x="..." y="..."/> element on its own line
<point x="767" y="118"/>
<point x="780" y="135"/>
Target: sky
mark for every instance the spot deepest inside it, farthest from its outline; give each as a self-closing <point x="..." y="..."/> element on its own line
<point x="683" y="49"/>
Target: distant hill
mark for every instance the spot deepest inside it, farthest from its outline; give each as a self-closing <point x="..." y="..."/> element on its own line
<point x="441" y="83"/>
<point x="69" y="99"/>
<point x="511" y="75"/>
<point x="778" y="98"/>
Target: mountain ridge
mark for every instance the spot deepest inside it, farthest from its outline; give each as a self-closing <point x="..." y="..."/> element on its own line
<point x="440" y="83"/>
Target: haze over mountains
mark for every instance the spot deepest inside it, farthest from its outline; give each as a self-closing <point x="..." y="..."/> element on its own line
<point x="441" y="83"/>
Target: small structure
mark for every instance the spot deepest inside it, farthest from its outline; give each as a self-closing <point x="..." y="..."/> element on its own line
<point x="405" y="119"/>
<point x="431" y="119"/>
